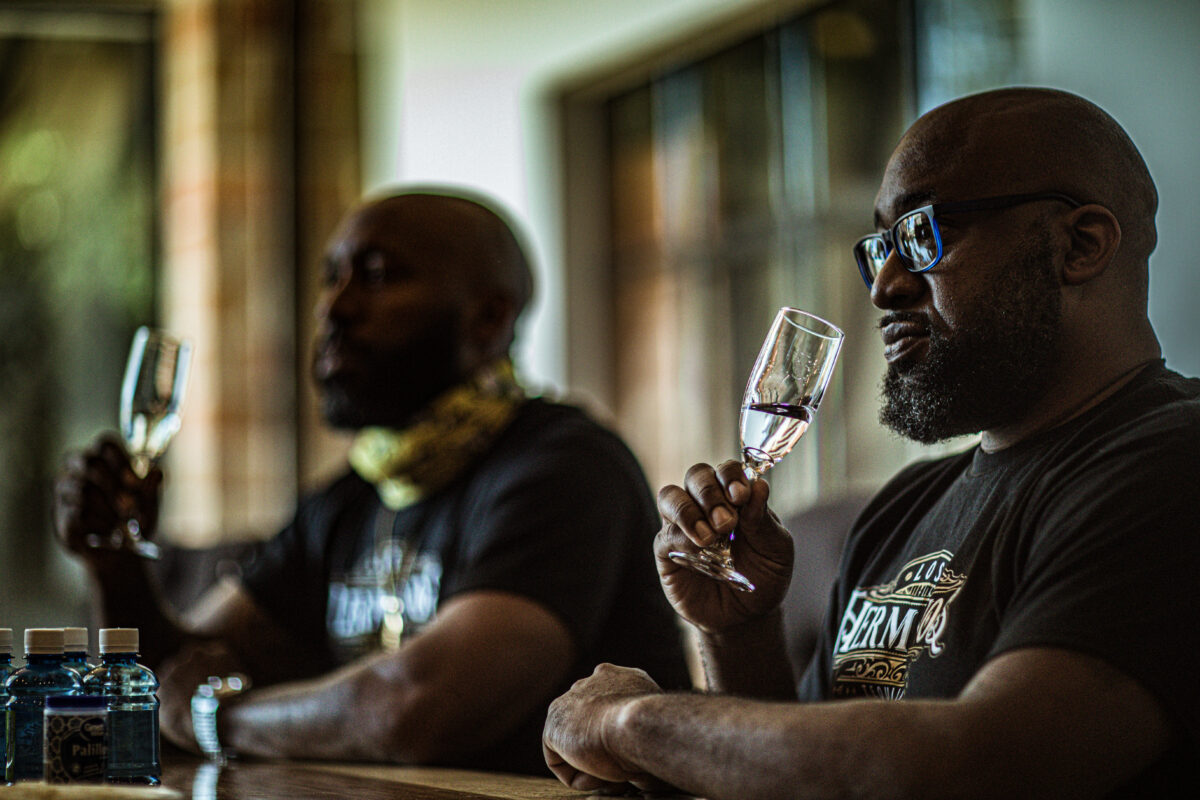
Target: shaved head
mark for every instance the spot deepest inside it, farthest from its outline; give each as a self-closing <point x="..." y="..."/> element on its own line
<point x="421" y="289"/>
<point x="1018" y="140"/>
<point x="468" y="236"/>
<point x="1047" y="295"/>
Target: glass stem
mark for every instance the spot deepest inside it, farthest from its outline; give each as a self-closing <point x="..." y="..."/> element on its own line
<point x="141" y="464"/>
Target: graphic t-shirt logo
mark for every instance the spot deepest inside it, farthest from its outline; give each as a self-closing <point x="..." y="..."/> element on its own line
<point x="386" y="597"/>
<point x="885" y="627"/>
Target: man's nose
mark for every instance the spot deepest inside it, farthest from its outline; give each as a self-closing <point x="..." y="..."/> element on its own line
<point x="894" y="286"/>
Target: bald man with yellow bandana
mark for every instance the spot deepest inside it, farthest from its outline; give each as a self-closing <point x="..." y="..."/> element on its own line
<point x="482" y="551"/>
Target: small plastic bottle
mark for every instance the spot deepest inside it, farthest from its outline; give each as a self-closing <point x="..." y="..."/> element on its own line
<point x="42" y="676"/>
<point x="131" y="691"/>
<point x="75" y="650"/>
<point x="6" y="669"/>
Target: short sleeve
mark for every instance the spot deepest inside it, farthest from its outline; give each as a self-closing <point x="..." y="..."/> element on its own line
<point x="1111" y="566"/>
<point x="563" y="523"/>
<point x="287" y="574"/>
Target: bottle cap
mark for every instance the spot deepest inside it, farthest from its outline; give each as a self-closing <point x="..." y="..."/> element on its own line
<point x="5" y="640"/>
<point x="75" y="640"/>
<point x="118" y="640"/>
<point x="43" y="641"/>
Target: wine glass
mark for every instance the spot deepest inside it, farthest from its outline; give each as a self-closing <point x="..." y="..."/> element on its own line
<point x="151" y="397"/>
<point x="781" y="399"/>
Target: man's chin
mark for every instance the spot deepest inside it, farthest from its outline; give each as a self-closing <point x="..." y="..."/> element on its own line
<point x="340" y="414"/>
<point x="390" y="408"/>
<point x="914" y="409"/>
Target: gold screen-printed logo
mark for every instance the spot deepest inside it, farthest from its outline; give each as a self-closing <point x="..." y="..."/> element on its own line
<point x="885" y="627"/>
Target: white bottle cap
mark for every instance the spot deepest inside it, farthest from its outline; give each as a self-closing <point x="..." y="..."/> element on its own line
<point x="6" y="640"/>
<point x="43" y="641"/>
<point x="118" y="640"/>
<point x="75" y="640"/>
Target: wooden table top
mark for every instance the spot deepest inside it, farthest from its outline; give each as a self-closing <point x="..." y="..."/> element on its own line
<point x="293" y="780"/>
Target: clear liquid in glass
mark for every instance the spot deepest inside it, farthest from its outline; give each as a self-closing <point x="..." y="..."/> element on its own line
<point x="770" y="431"/>
<point x="148" y="432"/>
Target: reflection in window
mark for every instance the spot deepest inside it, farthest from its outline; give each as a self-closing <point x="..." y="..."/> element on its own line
<point x="739" y="183"/>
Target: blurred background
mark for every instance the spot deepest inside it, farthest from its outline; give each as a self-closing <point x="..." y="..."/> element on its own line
<point x="682" y="168"/>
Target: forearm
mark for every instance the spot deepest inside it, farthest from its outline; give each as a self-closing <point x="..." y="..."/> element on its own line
<point x="749" y="660"/>
<point x="376" y="710"/>
<point x="1033" y="723"/>
<point x="722" y="747"/>
<point x="471" y="678"/>
<point x="319" y="719"/>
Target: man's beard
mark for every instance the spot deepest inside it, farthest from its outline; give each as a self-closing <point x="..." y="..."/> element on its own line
<point x="397" y="383"/>
<point x="988" y="372"/>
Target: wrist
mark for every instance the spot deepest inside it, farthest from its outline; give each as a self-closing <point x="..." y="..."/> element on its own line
<point x="747" y="632"/>
<point x="621" y="730"/>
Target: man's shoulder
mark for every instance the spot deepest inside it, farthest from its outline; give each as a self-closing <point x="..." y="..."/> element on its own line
<point x="344" y="489"/>
<point x="543" y="423"/>
<point x="542" y="411"/>
<point x="1170" y="394"/>
<point x="559" y="444"/>
<point x="1161" y="410"/>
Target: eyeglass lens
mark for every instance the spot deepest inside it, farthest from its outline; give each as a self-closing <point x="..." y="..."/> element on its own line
<point x="873" y="252"/>
<point x="915" y="236"/>
<point x="916" y="240"/>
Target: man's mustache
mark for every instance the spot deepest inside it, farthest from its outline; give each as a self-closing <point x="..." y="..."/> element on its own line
<point x="907" y="317"/>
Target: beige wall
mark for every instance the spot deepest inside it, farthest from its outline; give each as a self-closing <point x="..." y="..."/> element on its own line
<point x="463" y="92"/>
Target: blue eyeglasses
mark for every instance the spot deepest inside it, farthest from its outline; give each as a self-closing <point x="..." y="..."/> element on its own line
<point x="916" y="236"/>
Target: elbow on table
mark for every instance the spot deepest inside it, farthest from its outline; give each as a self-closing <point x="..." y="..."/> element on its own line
<point x="421" y="731"/>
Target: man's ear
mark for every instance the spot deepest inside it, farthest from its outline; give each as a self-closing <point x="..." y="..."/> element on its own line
<point x="1095" y="236"/>
<point x="490" y="325"/>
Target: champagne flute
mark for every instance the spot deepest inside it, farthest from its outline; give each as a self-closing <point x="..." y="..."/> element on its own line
<point x="151" y="399"/>
<point x="781" y="399"/>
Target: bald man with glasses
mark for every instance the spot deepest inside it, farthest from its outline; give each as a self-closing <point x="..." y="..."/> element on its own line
<point x="1016" y="620"/>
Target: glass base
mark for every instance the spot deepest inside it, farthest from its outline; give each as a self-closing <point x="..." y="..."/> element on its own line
<point x="714" y="564"/>
<point x="146" y="549"/>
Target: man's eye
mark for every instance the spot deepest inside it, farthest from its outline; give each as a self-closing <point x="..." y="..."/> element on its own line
<point x="378" y="270"/>
<point x="375" y="269"/>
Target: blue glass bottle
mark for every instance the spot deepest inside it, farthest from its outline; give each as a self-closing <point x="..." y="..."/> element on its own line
<point x="132" y="693"/>
<point x="6" y="669"/>
<point x="75" y="650"/>
<point x="42" y="676"/>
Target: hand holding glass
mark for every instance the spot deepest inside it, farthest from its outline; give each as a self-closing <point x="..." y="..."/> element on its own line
<point x="151" y="398"/>
<point x="785" y="388"/>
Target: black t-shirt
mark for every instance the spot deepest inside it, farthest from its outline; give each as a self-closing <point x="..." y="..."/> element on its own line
<point x="1086" y="537"/>
<point x="557" y="511"/>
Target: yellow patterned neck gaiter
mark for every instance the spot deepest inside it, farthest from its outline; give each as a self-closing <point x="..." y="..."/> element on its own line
<point x="408" y="465"/>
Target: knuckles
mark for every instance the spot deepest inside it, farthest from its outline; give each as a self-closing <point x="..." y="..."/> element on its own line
<point x="674" y="503"/>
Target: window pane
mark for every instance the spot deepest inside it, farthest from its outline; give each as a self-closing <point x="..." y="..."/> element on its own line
<point x="77" y="244"/>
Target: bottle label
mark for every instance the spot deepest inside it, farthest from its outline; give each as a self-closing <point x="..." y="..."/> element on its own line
<point x="133" y="744"/>
<point x="75" y="747"/>
<point x="25" y="742"/>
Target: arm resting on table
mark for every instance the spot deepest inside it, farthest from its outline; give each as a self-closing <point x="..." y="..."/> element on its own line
<point x="1036" y="722"/>
<point x="486" y="662"/>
